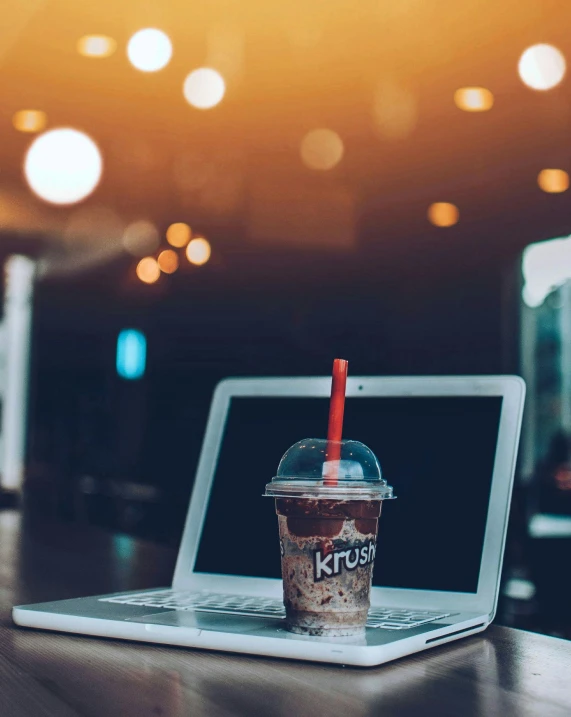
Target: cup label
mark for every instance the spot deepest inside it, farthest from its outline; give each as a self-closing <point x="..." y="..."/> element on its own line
<point x="330" y="564"/>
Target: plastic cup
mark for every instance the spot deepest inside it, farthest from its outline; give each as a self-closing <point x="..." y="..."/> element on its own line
<point x="328" y="513"/>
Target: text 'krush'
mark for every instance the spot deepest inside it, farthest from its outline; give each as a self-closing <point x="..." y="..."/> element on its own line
<point x="332" y="563"/>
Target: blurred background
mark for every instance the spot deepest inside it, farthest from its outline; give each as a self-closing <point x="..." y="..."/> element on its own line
<point x="189" y="192"/>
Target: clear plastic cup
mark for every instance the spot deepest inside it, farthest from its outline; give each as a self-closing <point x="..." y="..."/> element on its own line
<point x="328" y="513"/>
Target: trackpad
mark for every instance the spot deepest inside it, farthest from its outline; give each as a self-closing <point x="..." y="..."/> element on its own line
<point x="209" y="621"/>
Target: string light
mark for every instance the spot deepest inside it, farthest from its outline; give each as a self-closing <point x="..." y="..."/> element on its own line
<point x="148" y="270"/>
<point x="29" y="120"/>
<point x="204" y="88"/>
<point x="168" y="261"/>
<point x="96" y="46"/>
<point x="553" y="181"/>
<point x="443" y="214"/>
<point x="63" y="166"/>
<point x="474" y="99"/>
<point x="149" y="50"/>
<point x="179" y="234"/>
<point x="198" y="251"/>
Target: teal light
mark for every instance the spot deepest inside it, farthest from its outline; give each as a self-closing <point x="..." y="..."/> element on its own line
<point x="123" y="546"/>
<point x="131" y="354"/>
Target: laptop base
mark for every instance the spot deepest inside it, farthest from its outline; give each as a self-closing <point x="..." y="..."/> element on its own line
<point x="239" y="633"/>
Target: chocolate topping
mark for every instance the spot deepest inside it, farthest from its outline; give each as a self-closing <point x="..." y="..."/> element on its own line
<point x="306" y="527"/>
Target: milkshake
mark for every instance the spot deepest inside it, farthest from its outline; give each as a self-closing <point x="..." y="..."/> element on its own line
<point x="328" y="534"/>
<point x="328" y="500"/>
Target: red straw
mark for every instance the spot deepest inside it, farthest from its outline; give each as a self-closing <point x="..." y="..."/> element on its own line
<point x="336" y="409"/>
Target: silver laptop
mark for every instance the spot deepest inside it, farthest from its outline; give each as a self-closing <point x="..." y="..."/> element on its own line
<point x="447" y="445"/>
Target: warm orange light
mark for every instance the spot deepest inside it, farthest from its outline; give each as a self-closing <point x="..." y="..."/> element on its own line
<point x="542" y="67"/>
<point x="473" y="99"/>
<point x="553" y="181"/>
<point x="321" y="149"/>
<point x="168" y="261"/>
<point x="148" y="270"/>
<point x="198" y="251"/>
<point x="443" y="214"/>
<point x="29" y="120"/>
<point x="179" y="234"/>
<point x="96" y="46"/>
<point x="149" y="50"/>
<point x="63" y="166"/>
<point x="204" y="88"/>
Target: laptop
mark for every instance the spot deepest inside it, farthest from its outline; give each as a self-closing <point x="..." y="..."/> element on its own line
<point x="448" y="445"/>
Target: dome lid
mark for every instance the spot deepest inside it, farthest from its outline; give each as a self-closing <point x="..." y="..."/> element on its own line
<point x="305" y="471"/>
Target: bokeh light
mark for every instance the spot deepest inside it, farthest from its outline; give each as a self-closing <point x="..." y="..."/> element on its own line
<point x="474" y="99"/>
<point x="204" y="88"/>
<point x="541" y="67"/>
<point x="96" y="46"/>
<point x="553" y="181"/>
<point x="168" y="261"/>
<point x="141" y="237"/>
<point x="149" y="50"/>
<point x="29" y="120"/>
<point x="179" y="234"/>
<point x="321" y="149"/>
<point x="443" y="214"/>
<point x="148" y="270"/>
<point x="198" y="251"/>
<point x="63" y="166"/>
<point x="131" y="355"/>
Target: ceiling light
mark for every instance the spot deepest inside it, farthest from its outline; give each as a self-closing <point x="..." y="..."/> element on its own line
<point x="149" y="50"/>
<point x="542" y="67"/>
<point x="63" y="166"/>
<point x="204" y="88"/>
<point x="443" y="214"/>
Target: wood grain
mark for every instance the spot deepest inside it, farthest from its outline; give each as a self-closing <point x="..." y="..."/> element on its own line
<point x="504" y="672"/>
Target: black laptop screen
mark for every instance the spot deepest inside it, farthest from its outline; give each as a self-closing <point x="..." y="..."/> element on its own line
<point x="437" y="452"/>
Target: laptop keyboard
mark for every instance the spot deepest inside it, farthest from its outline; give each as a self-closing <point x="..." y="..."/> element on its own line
<point x="387" y="618"/>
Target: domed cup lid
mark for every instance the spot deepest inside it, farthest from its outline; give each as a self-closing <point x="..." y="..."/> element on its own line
<point x="306" y="472"/>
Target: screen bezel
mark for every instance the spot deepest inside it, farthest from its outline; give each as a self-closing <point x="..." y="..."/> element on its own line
<point x="510" y="388"/>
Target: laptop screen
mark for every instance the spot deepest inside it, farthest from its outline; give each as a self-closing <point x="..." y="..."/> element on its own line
<point x="437" y="452"/>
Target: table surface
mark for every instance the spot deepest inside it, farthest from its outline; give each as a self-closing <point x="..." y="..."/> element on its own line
<point x="500" y="672"/>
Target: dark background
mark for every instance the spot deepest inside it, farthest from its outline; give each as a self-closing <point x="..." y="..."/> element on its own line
<point x="284" y="321"/>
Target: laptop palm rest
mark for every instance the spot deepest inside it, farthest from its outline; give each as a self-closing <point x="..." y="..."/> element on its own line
<point x="265" y="627"/>
<point x="209" y="621"/>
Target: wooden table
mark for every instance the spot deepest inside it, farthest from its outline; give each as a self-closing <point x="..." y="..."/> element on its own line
<point x="503" y="672"/>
